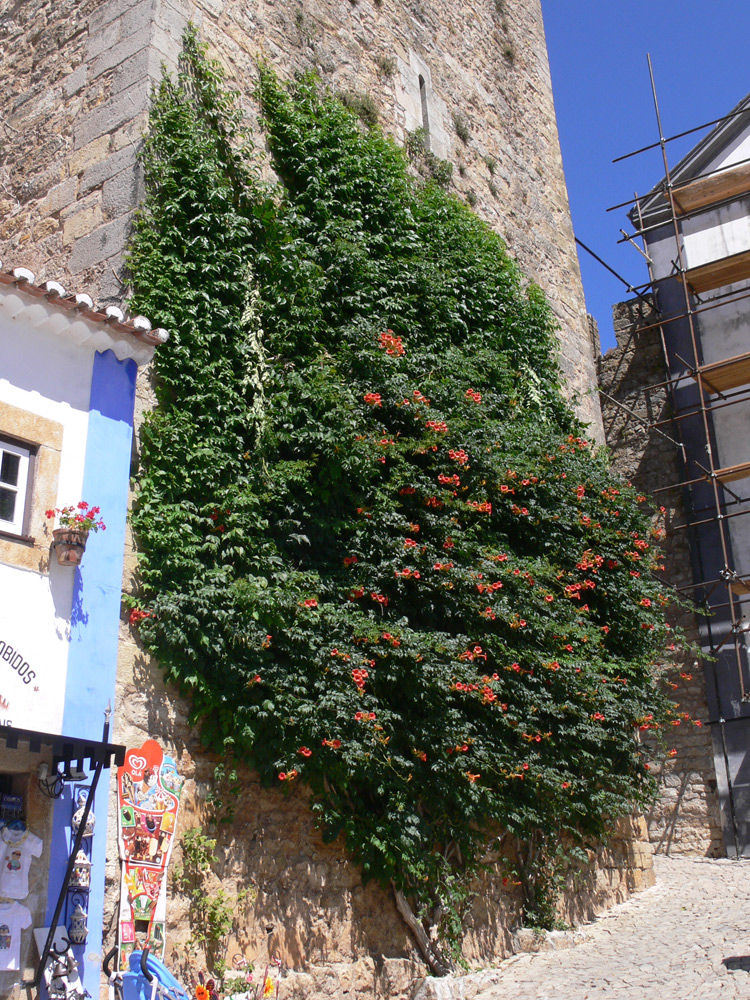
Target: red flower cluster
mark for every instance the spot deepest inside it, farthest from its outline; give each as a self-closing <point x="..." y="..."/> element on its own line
<point x="409" y="574"/>
<point x="458" y="455"/>
<point x="449" y="480"/>
<point x="309" y="602"/>
<point x="420" y="398"/>
<point x="366" y="716"/>
<point x="483" y="508"/>
<point x="448" y="543"/>
<point x="288" y="775"/>
<point x="136" y="615"/>
<point x="305" y="752"/>
<point x="434" y="502"/>
<point x="477" y="653"/>
<point x="392" y="639"/>
<point x="379" y="598"/>
<point x="391" y="344"/>
<point x="474" y="395"/>
<point x="443" y="566"/>
<point x="334" y="744"/>
<point x="373" y="399"/>
<point x="409" y="543"/>
<point x="406" y="491"/>
<point x="350" y="560"/>
<point x="359" y="677"/>
<point x="439" y="426"/>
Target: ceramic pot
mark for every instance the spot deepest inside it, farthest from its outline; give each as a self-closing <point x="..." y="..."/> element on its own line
<point x="69" y="545"/>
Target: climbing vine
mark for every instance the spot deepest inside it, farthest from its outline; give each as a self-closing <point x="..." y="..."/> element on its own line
<point x="377" y="548"/>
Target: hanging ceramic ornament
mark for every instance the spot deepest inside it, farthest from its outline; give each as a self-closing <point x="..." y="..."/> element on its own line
<point x="78" y="815"/>
<point x="77" y="928"/>
<point x="80" y="877"/>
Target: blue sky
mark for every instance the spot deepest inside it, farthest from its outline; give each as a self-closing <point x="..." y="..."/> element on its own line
<point x="597" y="50"/>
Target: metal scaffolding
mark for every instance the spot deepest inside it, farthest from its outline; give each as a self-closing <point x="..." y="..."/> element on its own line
<point x="711" y="494"/>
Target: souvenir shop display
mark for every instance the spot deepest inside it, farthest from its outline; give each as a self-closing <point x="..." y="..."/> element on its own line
<point x="14" y="918"/>
<point x="61" y="974"/>
<point x="18" y="845"/>
<point x="148" y="789"/>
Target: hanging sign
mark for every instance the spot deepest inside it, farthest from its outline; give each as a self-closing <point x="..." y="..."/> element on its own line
<point x="148" y="794"/>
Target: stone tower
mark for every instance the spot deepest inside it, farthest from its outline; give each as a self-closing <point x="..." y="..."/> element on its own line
<point x="75" y="88"/>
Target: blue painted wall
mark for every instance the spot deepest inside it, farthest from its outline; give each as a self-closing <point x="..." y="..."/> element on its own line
<point x="95" y="619"/>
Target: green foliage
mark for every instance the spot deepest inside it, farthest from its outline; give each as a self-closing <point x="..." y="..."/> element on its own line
<point x="376" y="549"/>
<point x="386" y="65"/>
<point x="363" y="106"/>
<point x="461" y="125"/>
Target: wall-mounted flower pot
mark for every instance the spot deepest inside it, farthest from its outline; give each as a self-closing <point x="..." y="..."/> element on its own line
<point x="69" y="545"/>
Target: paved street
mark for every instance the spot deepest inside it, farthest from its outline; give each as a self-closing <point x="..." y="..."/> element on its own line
<point x="688" y="938"/>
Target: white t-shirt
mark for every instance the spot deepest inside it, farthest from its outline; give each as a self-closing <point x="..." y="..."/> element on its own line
<point x="17" y="847"/>
<point x="14" y="918"/>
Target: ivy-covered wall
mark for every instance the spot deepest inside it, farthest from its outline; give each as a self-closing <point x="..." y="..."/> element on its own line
<point x="377" y="551"/>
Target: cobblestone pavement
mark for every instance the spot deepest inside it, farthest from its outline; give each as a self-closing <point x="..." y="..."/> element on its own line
<point x="687" y="938"/>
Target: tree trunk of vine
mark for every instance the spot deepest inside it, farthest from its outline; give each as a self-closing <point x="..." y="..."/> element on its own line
<point x="430" y="950"/>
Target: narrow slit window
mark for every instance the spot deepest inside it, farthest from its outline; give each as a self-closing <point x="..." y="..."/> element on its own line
<point x="425" y="111"/>
<point x="14" y="478"/>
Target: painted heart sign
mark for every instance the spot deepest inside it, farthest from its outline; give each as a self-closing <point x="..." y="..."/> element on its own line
<point x="148" y="792"/>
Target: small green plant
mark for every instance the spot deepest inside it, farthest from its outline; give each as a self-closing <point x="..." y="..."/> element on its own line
<point x="462" y="169"/>
<point x="212" y="910"/>
<point x="386" y="65"/>
<point x="491" y="164"/>
<point x="493" y="189"/>
<point x="509" y="52"/>
<point x="416" y="143"/>
<point x="461" y="125"/>
<point x="471" y="197"/>
<point x="362" y="104"/>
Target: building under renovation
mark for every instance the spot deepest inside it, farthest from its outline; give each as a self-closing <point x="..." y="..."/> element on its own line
<point x="676" y="401"/>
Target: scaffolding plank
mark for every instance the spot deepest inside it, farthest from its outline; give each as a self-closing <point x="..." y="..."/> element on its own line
<point x="733" y="472"/>
<point x="731" y="373"/>
<point x="740" y="587"/>
<point x="717" y="273"/>
<point x="708" y="190"/>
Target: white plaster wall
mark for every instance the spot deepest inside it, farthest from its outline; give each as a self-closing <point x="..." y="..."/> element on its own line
<point x="48" y="375"/>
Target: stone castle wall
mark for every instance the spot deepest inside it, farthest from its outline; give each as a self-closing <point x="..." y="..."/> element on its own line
<point x="75" y="90"/>
<point x="685" y="820"/>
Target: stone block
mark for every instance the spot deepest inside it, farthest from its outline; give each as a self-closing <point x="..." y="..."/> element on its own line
<point x="94" y="152"/>
<point x="121" y="51"/>
<point x="133" y="70"/>
<point x="75" y="82"/>
<point x="102" y="39"/>
<point x="114" y="163"/>
<point x="125" y="107"/>
<point x="120" y="194"/>
<point x="105" y="242"/>
<point x="81" y="224"/>
<point x="109" y="12"/>
<point x="60" y="196"/>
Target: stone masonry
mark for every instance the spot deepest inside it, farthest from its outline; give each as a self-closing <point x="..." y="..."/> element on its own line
<point x="686" y="819"/>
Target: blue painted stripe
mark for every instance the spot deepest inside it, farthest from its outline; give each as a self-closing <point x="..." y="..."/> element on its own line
<point x="95" y="620"/>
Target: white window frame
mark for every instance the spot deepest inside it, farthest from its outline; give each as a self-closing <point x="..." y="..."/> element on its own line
<point x="25" y="454"/>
